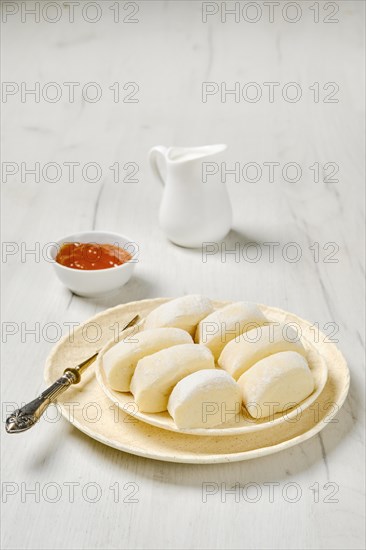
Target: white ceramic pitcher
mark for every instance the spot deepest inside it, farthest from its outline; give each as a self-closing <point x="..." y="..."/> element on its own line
<point x="196" y="206"/>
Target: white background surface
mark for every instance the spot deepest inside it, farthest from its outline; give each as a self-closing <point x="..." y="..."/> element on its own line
<point x="169" y="53"/>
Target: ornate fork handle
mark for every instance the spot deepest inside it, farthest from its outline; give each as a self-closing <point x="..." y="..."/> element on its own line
<point x="24" y="418"/>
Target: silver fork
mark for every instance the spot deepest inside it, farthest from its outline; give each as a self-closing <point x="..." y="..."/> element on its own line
<point x="24" y="418"/>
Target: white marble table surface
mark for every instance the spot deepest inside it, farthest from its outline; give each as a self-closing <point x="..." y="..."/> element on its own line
<point x="168" y="52"/>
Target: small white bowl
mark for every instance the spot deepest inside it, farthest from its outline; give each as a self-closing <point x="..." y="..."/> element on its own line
<point x="95" y="282"/>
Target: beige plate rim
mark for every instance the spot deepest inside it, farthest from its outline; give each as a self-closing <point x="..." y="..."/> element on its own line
<point x="177" y="456"/>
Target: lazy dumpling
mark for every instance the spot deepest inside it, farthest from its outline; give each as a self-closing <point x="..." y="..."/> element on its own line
<point x="225" y="324"/>
<point x="185" y="313"/>
<point x="156" y="375"/>
<point x="240" y="354"/>
<point x="205" y="399"/>
<point x="120" y="361"/>
<point x="276" y="383"/>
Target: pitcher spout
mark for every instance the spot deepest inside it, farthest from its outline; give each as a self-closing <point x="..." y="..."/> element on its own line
<point x="186" y="154"/>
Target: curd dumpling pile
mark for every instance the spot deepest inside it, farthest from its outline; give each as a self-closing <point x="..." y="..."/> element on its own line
<point x="201" y="364"/>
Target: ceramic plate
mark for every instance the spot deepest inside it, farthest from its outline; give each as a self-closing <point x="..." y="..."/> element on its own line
<point x="243" y="423"/>
<point x="93" y="413"/>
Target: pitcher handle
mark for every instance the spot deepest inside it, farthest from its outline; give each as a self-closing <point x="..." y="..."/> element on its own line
<point x="156" y="153"/>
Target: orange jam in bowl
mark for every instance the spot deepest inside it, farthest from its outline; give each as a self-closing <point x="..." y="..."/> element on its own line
<point x="92" y="256"/>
